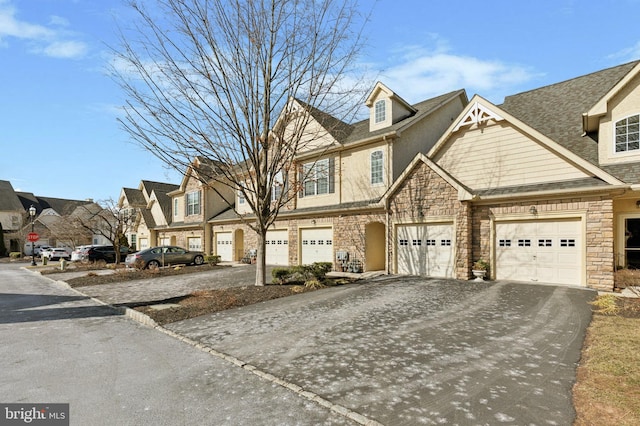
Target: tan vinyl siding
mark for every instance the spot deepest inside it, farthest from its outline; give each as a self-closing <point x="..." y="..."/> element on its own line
<point x="498" y="156"/>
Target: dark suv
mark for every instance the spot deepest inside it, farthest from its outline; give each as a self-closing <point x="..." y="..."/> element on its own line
<point x="106" y="253"/>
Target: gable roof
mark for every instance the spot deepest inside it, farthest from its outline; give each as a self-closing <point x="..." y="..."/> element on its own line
<point x="557" y="110"/>
<point x="361" y="129"/>
<point x="9" y="200"/>
<point x="61" y="206"/>
<point x="135" y="197"/>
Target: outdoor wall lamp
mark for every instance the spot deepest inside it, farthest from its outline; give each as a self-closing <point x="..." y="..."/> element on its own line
<point x="533" y="210"/>
<point x="638" y="204"/>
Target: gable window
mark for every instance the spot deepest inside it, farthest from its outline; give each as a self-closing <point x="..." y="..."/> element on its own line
<point x="376" y="167"/>
<point x="317" y="178"/>
<point x="175" y="207"/>
<point x="628" y="134"/>
<point x="241" y="199"/>
<point x="380" y="113"/>
<point x="193" y="203"/>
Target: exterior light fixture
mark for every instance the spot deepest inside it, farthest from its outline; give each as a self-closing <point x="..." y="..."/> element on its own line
<point x="533" y="210"/>
<point x="32" y="214"/>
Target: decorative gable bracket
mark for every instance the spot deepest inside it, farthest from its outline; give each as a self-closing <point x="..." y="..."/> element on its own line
<point x="477" y="114"/>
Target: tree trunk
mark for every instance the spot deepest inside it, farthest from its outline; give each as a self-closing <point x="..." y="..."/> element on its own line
<point x="261" y="259"/>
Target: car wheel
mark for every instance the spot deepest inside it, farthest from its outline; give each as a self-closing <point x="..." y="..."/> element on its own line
<point x="198" y="260"/>
<point x="153" y="264"/>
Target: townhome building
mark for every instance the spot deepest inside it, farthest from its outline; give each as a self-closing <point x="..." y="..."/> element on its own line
<point x="337" y="215"/>
<point x="545" y="187"/>
<point x="148" y="208"/>
<point x="12" y="216"/>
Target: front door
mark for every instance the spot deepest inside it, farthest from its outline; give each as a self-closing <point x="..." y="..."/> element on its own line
<point x="632" y="243"/>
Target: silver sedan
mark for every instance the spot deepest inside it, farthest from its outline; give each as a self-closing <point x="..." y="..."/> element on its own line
<point x="155" y="257"/>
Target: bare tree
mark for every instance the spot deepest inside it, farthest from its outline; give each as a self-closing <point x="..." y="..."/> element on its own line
<point x="236" y="82"/>
<point x="107" y="220"/>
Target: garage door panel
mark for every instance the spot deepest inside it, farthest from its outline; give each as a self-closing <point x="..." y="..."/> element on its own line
<point x="317" y="245"/>
<point x="541" y="251"/>
<point x="224" y="246"/>
<point x="425" y="250"/>
<point x="277" y="247"/>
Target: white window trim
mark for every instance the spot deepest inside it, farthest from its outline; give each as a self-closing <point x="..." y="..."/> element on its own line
<point x="614" y="137"/>
<point x="371" y="171"/>
<point x="311" y="176"/>
<point x="195" y="204"/>
<point x="176" y="205"/>
<point x="383" y="116"/>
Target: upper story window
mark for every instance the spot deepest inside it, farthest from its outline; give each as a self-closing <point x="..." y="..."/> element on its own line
<point x="380" y="113"/>
<point x="193" y="203"/>
<point x="376" y="168"/>
<point x="241" y="199"/>
<point x="278" y="186"/>
<point x="175" y="207"/>
<point x="628" y="134"/>
<point x="317" y="178"/>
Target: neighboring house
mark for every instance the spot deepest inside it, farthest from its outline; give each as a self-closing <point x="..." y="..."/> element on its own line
<point x="52" y="221"/>
<point x="192" y="203"/>
<point x="150" y="207"/>
<point x="341" y="178"/>
<point x="12" y="215"/>
<point x="545" y="187"/>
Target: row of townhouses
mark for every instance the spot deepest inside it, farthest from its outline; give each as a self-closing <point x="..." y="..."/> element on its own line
<point x="545" y="187"/>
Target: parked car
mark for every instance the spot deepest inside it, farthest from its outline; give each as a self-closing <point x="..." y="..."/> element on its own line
<point x="40" y="248"/>
<point x="44" y="252"/>
<point x="164" y="255"/>
<point x="79" y="253"/>
<point x="56" y="253"/>
<point x="106" y="253"/>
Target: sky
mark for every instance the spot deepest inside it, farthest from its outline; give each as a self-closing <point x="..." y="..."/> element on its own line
<point x="59" y="134"/>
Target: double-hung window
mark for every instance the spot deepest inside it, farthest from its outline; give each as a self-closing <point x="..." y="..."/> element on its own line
<point x="193" y="203"/>
<point x="316" y="177"/>
<point x="278" y="186"/>
<point x="380" y="113"/>
<point x="628" y="134"/>
<point x="175" y="207"/>
<point x="376" y="168"/>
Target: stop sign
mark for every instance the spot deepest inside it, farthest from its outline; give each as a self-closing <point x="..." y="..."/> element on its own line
<point x="33" y="237"/>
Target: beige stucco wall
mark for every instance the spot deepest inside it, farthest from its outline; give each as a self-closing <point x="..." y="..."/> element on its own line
<point x="421" y="136"/>
<point x="625" y="103"/>
<point x="355" y="172"/>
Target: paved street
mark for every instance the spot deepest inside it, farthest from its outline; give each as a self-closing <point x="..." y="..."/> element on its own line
<point x="395" y="350"/>
<point x="58" y="347"/>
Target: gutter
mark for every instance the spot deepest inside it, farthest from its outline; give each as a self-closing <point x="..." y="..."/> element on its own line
<point x="552" y="193"/>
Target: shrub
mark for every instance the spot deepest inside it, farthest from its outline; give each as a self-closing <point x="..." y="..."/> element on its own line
<point x="281" y="275"/>
<point x="319" y="270"/>
<point x="212" y="260"/>
<point x="313" y="284"/>
<point x="627" y="278"/>
<point x="480" y="265"/>
<point x="15" y="255"/>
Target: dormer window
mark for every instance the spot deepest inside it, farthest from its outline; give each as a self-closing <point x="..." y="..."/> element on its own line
<point x="380" y="111"/>
<point x="628" y="134"/>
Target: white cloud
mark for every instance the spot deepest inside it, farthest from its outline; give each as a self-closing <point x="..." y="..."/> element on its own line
<point x="628" y="54"/>
<point x="65" y="49"/>
<point x="420" y="74"/>
<point x="42" y="39"/>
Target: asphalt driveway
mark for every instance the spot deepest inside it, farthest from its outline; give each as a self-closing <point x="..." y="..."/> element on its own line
<point x="408" y="350"/>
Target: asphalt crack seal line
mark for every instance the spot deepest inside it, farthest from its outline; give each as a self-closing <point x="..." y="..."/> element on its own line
<point x="148" y="321"/>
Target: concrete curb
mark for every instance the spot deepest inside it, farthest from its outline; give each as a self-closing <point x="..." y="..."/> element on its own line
<point x="148" y="321"/>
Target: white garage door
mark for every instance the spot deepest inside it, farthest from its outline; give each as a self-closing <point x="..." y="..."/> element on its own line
<point x="277" y="247"/>
<point x="425" y="250"/>
<point x="317" y="245"/>
<point x="541" y="251"/>
<point x="224" y="246"/>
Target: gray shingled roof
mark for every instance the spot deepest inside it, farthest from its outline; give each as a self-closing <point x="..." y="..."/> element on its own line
<point x="556" y="111"/>
<point x="135" y="197"/>
<point x="550" y="186"/>
<point x="9" y="200"/>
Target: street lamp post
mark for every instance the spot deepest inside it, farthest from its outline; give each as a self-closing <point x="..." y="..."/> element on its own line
<point x="32" y="213"/>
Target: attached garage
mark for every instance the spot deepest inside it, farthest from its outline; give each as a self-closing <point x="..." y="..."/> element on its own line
<point x="316" y="245"/>
<point x="224" y="246"/>
<point x="548" y="251"/>
<point x="277" y="247"/>
<point x="425" y="249"/>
